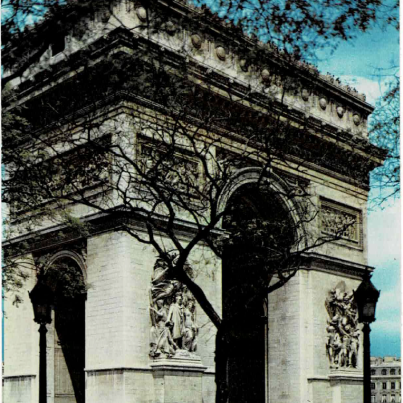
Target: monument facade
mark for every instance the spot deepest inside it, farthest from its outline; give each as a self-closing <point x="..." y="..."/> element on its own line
<point x="141" y="334"/>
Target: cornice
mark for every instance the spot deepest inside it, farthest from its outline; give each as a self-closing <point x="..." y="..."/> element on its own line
<point x="217" y="27"/>
<point x="56" y="236"/>
<point x="42" y="240"/>
<point x="319" y="262"/>
<point x="120" y="39"/>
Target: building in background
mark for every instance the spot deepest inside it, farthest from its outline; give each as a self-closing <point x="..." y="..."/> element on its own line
<point x="386" y="381"/>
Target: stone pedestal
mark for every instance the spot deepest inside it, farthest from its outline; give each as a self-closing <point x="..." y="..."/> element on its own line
<point x="346" y="386"/>
<point x="178" y="379"/>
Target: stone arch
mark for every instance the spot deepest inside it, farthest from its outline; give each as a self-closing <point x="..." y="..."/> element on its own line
<point x="64" y="254"/>
<point x="245" y="307"/>
<point x="250" y="175"/>
<point x="66" y="333"/>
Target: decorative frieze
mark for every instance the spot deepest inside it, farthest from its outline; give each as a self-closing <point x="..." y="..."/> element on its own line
<point x="178" y="170"/>
<point x="340" y="222"/>
<point x="342" y="328"/>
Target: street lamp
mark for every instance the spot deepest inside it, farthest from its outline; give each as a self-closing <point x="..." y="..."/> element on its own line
<point x="42" y="300"/>
<point x="366" y="296"/>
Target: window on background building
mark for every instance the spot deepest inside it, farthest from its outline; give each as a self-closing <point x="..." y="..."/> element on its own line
<point x="392" y="385"/>
<point x="392" y="372"/>
<point x="392" y="399"/>
<point x="373" y="372"/>
<point x="384" y="372"/>
<point x="373" y="399"/>
<point x="400" y="371"/>
<point x="383" y="398"/>
<point x="372" y="385"/>
<point x="384" y="385"/>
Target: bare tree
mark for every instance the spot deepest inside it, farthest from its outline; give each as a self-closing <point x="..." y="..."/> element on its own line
<point x="167" y="165"/>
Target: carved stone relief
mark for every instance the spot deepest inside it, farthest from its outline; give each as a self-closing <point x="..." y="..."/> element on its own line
<point x="173" y="315"/>
<point x="340" y="222"/>
<point x="178" y="171"/>
<point x="342" y="328"/>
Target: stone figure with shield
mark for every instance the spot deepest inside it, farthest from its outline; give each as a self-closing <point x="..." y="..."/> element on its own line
<point x="173" y="315"/>
<point x="342" y="329"/>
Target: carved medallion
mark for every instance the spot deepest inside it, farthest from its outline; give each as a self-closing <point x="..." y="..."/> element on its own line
<point x="220" y="52"/>
<point x="196" y="41"/>
<point x="142" y="14"/>
<point x="170" y="27"/>
<point x="356" y="119"/>
<point x="265" y="75"/>
<point x="340" y="111"/>
<point x="305" y="94"/>
<point x="323" y="103"/>
<point x="244" y="65"/>
<point x="342" y="328"/>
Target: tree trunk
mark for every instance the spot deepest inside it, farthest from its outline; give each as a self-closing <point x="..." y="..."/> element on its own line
<point x="221" y="364"/>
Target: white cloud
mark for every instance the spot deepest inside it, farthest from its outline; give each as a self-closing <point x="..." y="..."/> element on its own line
<point x="373" y="89"/>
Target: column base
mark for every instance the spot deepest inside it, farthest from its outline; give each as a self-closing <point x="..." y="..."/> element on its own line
<point x="178" y="379"/>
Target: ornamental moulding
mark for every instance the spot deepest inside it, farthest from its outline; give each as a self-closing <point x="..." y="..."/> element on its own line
<point x="221" y="53"/>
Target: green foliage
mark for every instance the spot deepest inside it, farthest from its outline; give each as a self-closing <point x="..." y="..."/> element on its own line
<point x="385" y="133"/>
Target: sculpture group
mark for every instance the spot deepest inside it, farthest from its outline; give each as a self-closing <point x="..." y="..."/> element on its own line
<point x="173" y="315"/>
<point x="342" y="328"/>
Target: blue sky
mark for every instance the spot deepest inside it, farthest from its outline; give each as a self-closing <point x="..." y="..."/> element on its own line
<point x="361" y="62"/>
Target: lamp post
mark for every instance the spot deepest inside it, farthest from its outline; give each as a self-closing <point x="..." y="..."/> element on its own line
<point x="42" y="298"/>
<point x="366" y="296"/>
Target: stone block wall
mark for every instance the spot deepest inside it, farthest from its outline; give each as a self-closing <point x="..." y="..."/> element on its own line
<point x="21" y="344"/>
<point x="299" y="369"/>
<point x="284" y="342"/>
<point x="119" y="271"/>
<point x="118" y="318"/>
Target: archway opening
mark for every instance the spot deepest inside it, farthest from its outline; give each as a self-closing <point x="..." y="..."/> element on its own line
<point x="261" y="235"/>
<point x="67" y="334"/>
